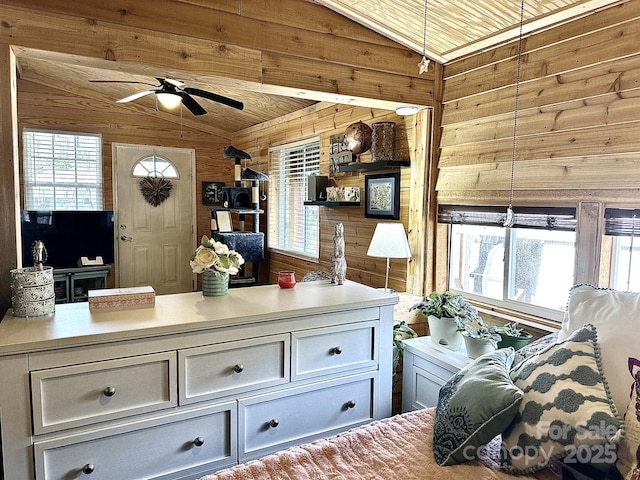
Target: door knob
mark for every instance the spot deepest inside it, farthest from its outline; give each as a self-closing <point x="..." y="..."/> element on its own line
<point x="125" y="238"/>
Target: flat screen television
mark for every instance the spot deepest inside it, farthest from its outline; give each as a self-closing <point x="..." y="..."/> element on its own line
<point x="68" y="235"/>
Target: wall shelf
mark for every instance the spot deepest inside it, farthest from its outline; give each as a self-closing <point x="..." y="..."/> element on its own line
<point x="320" y="203"/>
<point x="382" y="165"/>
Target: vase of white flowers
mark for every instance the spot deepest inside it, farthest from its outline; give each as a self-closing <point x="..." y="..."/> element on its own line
<point x="215" y="262"/>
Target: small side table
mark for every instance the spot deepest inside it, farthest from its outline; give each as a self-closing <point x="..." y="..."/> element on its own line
<point x="426" y="367"/>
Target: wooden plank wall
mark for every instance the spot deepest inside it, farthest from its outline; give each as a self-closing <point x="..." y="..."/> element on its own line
<point x="325" y="122"/>
<point x="578" y="120"/>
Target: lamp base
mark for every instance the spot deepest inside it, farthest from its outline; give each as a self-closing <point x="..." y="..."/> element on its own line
<point x="390" y="291"/>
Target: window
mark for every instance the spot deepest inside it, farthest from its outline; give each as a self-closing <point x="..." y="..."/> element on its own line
<point x="624" y="226"/>
<point x="293" y="227"/>
<point x="62" y="171"/>
<point x="155" y="167"/>
<point x="529" y="267"/>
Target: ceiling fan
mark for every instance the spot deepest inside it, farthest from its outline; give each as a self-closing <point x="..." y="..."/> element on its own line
<point x="171" y="93"/>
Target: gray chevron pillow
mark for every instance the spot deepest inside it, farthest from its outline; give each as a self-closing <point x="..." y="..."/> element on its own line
<point x="566" y="410"/>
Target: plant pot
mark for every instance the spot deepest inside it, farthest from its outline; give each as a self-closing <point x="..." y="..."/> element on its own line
<point x="444" y="332"/>
<point x="516" y="342"/>
<point x="215" y="284"/>
<point x="477" y="347"/>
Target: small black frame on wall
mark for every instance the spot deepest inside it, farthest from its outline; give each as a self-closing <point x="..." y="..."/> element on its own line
<point x="212" y="193"/>
<point x="382" y="196"/>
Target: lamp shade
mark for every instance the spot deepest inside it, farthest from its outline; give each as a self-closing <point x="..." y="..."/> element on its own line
<point x="169" y="100"/>
<point x="389" y="241"/>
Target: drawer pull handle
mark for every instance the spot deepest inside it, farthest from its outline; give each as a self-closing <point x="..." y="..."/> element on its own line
<point x="109" y="391"/>
<point x="238" y="368"/>
<point x="88" y="469"/>
<point x="336" y="350"/>
<point x="274" y="423"/>
<point x="198" y="442"/>
<point x="351" y="404"/>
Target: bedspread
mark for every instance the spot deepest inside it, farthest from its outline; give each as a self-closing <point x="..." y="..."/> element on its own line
<point x="399" y="447"/>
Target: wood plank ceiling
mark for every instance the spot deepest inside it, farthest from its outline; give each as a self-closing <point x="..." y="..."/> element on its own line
<point x="454" y="28"/>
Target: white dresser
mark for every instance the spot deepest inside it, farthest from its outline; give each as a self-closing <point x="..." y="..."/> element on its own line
<point x="193" y="384"/>
<point x="425" y="368"/>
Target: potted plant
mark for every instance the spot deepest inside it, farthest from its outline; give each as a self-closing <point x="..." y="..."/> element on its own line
<point x="215" y="262"/>
<point x="447" y="314"/>
<point x="480" y="338"/>
<point x="513" y="336"/>
<point x="401" y="331"/>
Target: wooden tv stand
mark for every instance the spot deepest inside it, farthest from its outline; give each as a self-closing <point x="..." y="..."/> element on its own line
<point x="193" y="384"/>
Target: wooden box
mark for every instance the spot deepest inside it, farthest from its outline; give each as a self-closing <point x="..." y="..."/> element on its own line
<point x="122" y="298"/>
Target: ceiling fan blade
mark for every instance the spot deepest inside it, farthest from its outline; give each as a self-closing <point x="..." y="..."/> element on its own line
<point x="171" y="81"/>
<point x="124" y="81"/>
<point x="135" y="96"/>
<point x="215" y="97"/>
<point x="193" y="106"/>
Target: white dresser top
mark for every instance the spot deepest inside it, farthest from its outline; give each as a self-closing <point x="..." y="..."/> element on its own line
<point x="74" y="323"/>
<point x="457" y="358"/>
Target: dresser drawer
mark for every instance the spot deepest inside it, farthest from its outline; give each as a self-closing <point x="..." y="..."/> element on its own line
<point x="230" y="368"/>
<point x="196" y="441"/>
<point x="325" y="351"/>
<point x="274" y="421"/>
<point x="83" y="394"/>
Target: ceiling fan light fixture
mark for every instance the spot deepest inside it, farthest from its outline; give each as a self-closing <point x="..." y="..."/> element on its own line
<point x="168" y="100"/>
<point x="403" y="110"/>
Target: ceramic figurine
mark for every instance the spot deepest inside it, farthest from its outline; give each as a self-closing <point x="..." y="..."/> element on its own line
<point x="338" y="262"/>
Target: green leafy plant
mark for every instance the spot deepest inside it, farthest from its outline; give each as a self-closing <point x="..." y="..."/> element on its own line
<point x="448" y="305"/>
<point x="402" y="331"/>
<point x="513" y="330"/>
<point x="478" y="329"/>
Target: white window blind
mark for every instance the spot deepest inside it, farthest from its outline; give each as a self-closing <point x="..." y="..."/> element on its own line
<point x="62" y="170"/>
<point x="293" y="227"/>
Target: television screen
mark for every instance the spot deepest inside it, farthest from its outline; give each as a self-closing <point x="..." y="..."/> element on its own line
<point x="68" y="235"/>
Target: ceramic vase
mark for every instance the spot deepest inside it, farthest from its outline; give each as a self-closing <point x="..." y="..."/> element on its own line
<point x="215" y="284"/>
<point x="444" y="332"/>
<point x="516" y="342"/>
<point x="478" y="346"/>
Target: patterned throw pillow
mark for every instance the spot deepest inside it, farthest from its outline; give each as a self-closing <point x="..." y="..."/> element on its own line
<point x="628" y="462"/>
<point x="474" y="406"/>
<point x="566" y="410"/>
<point x="534" y="348"/>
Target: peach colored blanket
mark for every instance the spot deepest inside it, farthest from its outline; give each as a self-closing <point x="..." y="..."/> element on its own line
<point x="399" y="447"/>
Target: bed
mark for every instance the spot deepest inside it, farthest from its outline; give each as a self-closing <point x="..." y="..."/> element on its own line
<point x="399" y="447"/>
<point x="561" y="395"/>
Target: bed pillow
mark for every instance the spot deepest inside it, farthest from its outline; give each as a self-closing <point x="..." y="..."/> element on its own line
<point x="566" y="410"/>
<point x="474" y="406"/>
<point x="628" y="462"/>
<point x="615" y="314"/>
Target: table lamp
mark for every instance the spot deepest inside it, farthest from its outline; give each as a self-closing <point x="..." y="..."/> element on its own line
<point x="389" y="241"/>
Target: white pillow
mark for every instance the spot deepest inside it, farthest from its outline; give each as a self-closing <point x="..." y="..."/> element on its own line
<point x="616" y="315"/>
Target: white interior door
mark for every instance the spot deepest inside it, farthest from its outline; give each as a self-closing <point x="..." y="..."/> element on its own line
<point x="154" y="242"/>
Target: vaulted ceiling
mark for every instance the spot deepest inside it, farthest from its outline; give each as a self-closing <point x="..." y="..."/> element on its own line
<point x="454" y="28"/>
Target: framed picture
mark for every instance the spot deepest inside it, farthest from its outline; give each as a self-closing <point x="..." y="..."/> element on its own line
<point x="223" y="218"/>
<point x="212" y="193"/>
<point x="382" y="196"/>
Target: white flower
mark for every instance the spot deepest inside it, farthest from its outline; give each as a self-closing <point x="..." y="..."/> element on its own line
<point x="215" y="257"/>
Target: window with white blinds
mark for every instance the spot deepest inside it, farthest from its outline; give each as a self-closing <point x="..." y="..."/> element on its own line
<point x="293" y="227"/>
<point x="62" y="170"/>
